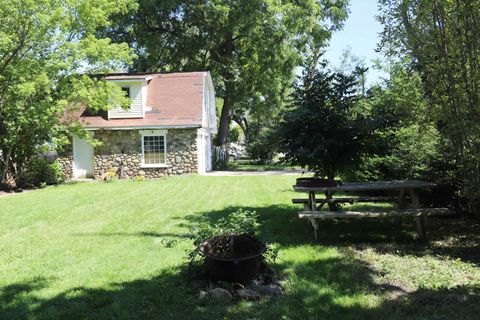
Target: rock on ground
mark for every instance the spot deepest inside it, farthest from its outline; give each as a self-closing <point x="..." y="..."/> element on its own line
<point x="217" y="296"/>
<point x="249" y="295"/>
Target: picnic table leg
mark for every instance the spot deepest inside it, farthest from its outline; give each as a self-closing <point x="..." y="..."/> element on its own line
<point x="420" y="218"/>
<point x="328" y="198"/>
<point x="321" y="204"/>
<point x="312" y="202"/>
<point x="314" y="223"/>
<point x="420" y="224"/>
<point x="401" y="199"/>
<point x="401" y="204"/>
<point x="415" y="199"/>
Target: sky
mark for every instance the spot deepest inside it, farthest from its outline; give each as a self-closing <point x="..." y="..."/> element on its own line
<point x="360" y="32"/>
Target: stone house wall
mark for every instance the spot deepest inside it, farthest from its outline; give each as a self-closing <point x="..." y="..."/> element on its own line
<point x="66" y="162"/>
<point x="65" y="158"/>
<point x="121" y="151"/>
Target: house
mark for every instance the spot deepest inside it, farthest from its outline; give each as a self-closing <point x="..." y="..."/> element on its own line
<point x="166" y="131"/>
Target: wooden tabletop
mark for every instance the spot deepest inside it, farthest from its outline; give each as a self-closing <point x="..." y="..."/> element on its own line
<point x="365" y="186"/>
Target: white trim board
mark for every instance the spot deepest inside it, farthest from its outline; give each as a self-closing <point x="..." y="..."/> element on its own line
<point x="193" y="126"/>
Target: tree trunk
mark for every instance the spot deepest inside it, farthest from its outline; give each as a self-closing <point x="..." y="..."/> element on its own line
<point x="475" y="208"/>
<point x="331" y="176"/>
<point x="6" y="164"/>
<point x="225" y="117"/>
<point x="228" y="97"/>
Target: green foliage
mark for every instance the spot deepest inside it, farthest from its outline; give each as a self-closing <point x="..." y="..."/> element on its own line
<point x="407" y="155"/>
<point x="261" y="146"/>
<point x="407" y="142"/>
<point x="324" y="129"/>
<point x="241" y="222"/>
<point x="45" y="46"/>
<point x="219" y="164"/>
<point x="40" y="172"/>
<point x="234" y="135"/>
<point x="442" y="39"/>
<point x="251" y="46"/>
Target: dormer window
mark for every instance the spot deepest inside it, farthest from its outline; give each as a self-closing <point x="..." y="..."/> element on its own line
<point x="126" y="92"/>
<point x="136" y="90"/>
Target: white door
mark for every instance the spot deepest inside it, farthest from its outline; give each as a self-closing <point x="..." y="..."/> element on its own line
<point x="82" y="158"/>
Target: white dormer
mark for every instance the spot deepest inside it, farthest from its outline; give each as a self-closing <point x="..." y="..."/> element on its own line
<point x="208" y="108"/>
<point x="136" y="90"/>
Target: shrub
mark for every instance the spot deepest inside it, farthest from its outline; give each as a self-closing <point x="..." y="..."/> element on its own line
<point x="240" y="222"/>
<point x="234" y="135"/>
<point x="111" y="175"/>
<point x="408" y="155"/>
<point x="40" y="172"/>
<point x="261" y="146"/>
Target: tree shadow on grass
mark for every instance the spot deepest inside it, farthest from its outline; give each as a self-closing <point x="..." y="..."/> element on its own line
<point x="16" y="299"/>
<point x="325" y="286"/>
<point x="346" y="288"/>
<point x="148" y="234"/>
<point x="339" y="287"/>
<point x="455" y="237"/>
<point x="157" y="298"/>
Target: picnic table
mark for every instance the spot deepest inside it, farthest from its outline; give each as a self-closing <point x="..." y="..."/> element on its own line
<point x="406" y="189"/>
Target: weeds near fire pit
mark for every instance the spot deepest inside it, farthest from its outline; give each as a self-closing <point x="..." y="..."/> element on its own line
<point x="241" y="223"/>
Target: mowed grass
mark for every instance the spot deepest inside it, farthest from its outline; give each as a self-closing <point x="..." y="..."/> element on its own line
<point x="117" y="251"/>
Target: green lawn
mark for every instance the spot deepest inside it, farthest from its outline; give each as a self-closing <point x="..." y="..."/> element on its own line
<point x="116" y="251"/>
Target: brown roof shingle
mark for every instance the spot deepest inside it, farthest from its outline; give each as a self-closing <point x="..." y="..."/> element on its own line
<point x="173" y="99"/>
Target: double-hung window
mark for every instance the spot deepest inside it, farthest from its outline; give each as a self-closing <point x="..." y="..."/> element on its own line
<point x="154" y="148"/>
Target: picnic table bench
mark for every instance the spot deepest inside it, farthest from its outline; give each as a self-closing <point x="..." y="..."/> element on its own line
<point x="350" y="200"/>
<point x="312" y="205"/>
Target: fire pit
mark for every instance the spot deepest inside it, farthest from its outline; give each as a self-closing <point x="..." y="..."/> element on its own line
<point x="232" y="257"/>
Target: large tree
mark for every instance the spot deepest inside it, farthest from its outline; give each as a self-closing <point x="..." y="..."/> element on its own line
<point x="407" y="143"/>
<point x="251" y="46"/>
<point x="443" y="39"/>
<point x="45" y="46"/>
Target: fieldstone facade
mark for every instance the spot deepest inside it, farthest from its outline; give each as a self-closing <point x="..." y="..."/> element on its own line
<point x="121" y="152"/>
<point x="66" y="161"/>
<point x="65" y="158"/>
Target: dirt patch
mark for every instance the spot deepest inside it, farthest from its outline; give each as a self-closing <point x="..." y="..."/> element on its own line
<point x="453" y="237"/>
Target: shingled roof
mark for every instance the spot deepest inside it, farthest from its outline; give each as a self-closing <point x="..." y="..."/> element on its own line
<point x="173" y="100"/>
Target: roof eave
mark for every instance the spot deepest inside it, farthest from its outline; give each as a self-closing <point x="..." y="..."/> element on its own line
<point x="186" y="126"/>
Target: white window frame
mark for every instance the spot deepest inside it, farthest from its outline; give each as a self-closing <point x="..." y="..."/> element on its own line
<point x="153" y="133"/>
